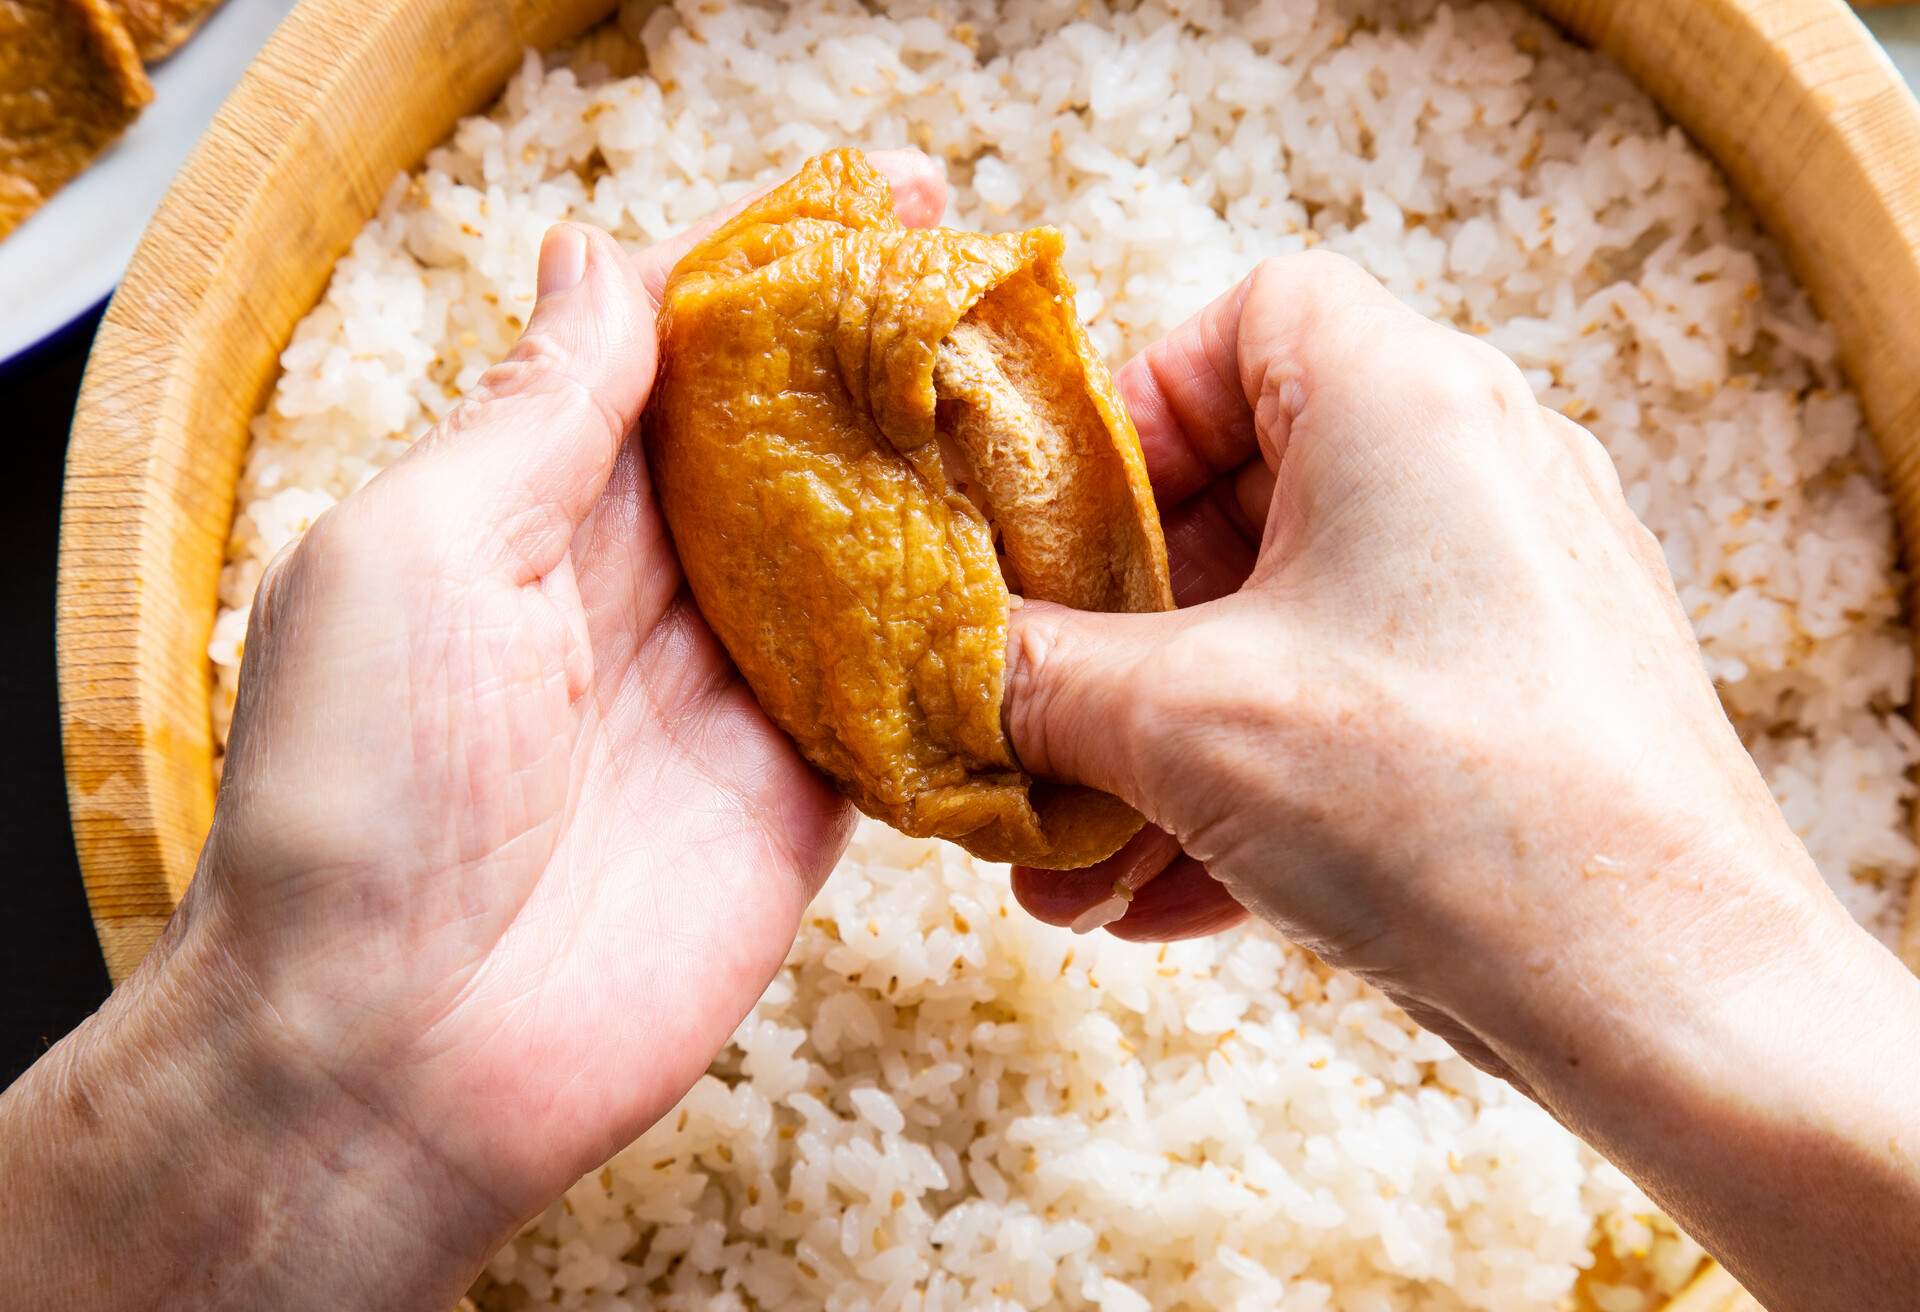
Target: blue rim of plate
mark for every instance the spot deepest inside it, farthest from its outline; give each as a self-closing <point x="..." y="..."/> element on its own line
<point x="32" y="352"/>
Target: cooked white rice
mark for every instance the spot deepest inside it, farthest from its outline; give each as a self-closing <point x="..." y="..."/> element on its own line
<point x="939" y="1103"/>
<point x="942" y="1103"/>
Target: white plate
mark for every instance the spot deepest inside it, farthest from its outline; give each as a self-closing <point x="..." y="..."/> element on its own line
<point x="65" y="259"/>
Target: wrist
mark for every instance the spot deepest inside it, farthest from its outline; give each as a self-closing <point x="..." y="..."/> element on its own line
<point x="180" y="1151"/>
<point x="1623" y="927"/>
<point x="1654" y="970"/>
<point x="1748" y="1073"/>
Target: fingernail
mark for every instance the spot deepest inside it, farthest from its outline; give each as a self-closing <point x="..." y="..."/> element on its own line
<point x="563" y="259"/>
<point x="1102" y="914"/>
<point x="1099" y="915"/>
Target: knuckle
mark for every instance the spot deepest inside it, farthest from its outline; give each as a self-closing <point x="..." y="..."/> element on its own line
<point x="343" y="552"/>
<point x="1028" y="701"/>
<point x="1606" y="475"/>
<point x="1320" y="283"/>
<point x="533" y="372"/>
<point x="291" y="575"/>
<point x="276" y="570"/>
<point x="541" y="370"/>
<point x="1647" y="545"/>
<point x="456" y="423"/>
<point x="1453" y="376"/>
<point x="538" y="352"/>
<point x="269" y="595"/>
<point x="1318" y="264"/>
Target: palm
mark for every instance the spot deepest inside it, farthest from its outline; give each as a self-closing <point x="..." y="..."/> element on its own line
<point x="679" y="865"/>
<point x="601" y="845"/>
<point x="511" y="846"/>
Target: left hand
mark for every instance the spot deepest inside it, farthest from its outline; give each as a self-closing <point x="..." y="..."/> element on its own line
<point x="505" y="848"/>
<point x="504" y="839"/>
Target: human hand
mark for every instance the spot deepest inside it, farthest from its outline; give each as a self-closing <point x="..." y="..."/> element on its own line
<point x="1435" y="712"/>
<point x="578" y="850"/>
<point x="504" y="848"/>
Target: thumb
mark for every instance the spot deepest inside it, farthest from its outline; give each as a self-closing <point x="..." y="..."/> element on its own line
<point x="522" y="461"/>
<point x="1080" y="693"/>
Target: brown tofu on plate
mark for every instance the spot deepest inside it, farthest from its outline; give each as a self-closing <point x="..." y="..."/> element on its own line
<point x="160" y="26"/>
<point x="70" y="82"/>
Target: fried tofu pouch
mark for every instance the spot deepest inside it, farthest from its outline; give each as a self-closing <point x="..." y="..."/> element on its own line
<point x="160" y="27"/>
<point x="849" y="414"/>
<point x="70" y="83"/>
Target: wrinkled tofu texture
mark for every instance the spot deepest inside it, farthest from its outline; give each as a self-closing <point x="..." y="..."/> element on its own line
<point x="821" y="366"/>
<point x="158" y="27"/>
<point x="70" y="82"/>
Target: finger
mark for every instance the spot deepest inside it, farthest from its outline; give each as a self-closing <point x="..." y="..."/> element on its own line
<point x="1184" y="395"/>
<point x="1253" y="497"/>
<point x="919" y="185"/>
<point x="1320" y="335"/>
<point x="1595" y="468"/>
<point x="1076" y="703"/>
<point x="1060" y="897"/>
<point x="1183" y="901"/>
<point x="1194" y="395"/>
<point x="1213" y="537"/>
<point x="623" y="555"/>
<point x="514" y="469"/>
<point x="919" y="199"/>
<point x="1209" y="550"/>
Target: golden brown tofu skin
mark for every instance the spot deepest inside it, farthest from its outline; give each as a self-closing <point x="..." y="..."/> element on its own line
<point x="840" y="397"/>
<point x="70" y="83"/>
<point x="159" y="27"/>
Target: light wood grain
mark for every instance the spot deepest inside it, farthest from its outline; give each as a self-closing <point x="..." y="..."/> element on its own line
<point x="346" y="94"/>
<point x="1791" y="96"/>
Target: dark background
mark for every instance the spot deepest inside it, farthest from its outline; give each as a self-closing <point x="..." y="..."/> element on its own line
<point x="51" y="973"/>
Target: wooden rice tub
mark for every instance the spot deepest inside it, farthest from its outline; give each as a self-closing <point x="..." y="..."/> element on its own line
<point x="1791" y="96"/>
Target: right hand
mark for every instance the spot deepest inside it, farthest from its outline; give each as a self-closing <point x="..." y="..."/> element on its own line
<point x="1434" y="711"/>
<point x="1452" y="732"/>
